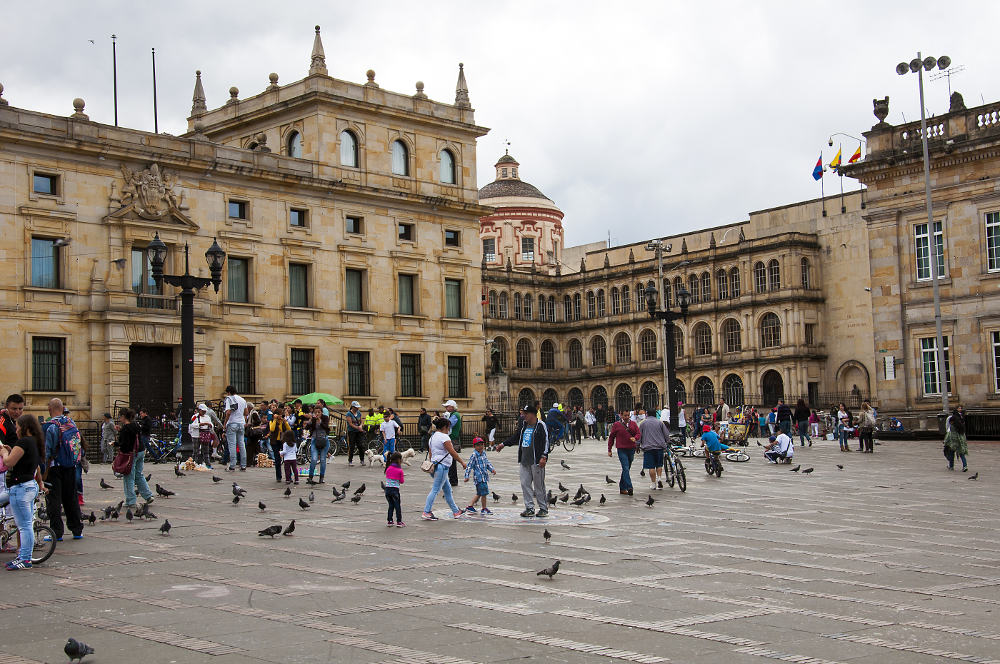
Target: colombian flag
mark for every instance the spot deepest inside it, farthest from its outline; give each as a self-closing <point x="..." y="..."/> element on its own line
<point x="835" y="164"/>
<point x="818" y="169"/>
<point x="856" y="156"/>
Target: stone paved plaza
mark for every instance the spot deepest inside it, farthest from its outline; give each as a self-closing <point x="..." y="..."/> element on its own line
<point x="893" y="559"/>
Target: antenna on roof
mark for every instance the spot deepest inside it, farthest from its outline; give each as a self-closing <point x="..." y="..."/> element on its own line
<point x="948" y="73"/>
<point x="507" y="143"/>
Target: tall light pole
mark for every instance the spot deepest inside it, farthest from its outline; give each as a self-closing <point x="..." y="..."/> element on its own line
<point x="656" y="246"/>
<point x="668" y="317"/>
<point x="917" y="66"/>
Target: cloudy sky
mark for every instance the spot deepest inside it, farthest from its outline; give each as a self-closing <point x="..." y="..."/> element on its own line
<point x="637" y="118"/>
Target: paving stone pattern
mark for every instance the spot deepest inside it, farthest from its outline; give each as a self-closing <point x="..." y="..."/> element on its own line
<point x="892" y="559"/>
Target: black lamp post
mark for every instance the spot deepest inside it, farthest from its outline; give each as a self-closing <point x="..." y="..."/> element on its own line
<point x="189" y="284"/>
<point x="668" y="317"/>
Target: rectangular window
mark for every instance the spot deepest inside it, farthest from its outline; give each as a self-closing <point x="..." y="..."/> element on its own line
<point x="490" y="249"/>
<point x="144" y="286"/>
<point x="406" y="293"/>
<point x="297" y="217"/>
<point x="357" y="373"/>
<point x="452" y="238"/>
<point x="810" y="334"/>
<point x="303" y="371"/>
<point x="242" y="372"/>
<point x="298" y="285"/>
<point x="354" y="290"/>
<point x="528" y="249"/>
<point x="928" y="361"/>
<point x="457" y="384"/>
<point x="452" y="298"/>
<point x="45" y="184"/>
<point x="995" y="339"/>
<point x="993" y="241"/>
<point x="237" y="210"/>
<point x="355" y="225"/>
<point x="238" y="281"/>
<point x="922" y="243"/>
<point x="406" y="232"/>
<point x="44" y="263"/>
<point x="48" y="364"/>
<point x="409" y="376"/>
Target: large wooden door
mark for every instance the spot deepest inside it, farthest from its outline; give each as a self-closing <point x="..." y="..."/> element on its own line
<point x="151" y="378"/>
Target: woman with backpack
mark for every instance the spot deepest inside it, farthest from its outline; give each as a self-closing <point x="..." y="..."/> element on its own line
<point x="955" y="443"/>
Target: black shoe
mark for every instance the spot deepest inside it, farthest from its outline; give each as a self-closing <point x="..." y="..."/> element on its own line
<point x="630" y="492"/>
<point x="529" y="512"/>
<point x="542" y="514"/>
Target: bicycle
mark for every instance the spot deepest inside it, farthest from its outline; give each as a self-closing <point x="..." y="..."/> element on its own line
<point x="738" y="456"/>
<point x="675" y="471"/>
<point x="160" y="450"/>
<point x="45" y="537"/>
<point x="712" y="465"/>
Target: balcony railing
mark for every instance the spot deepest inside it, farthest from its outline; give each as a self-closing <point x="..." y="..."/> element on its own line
<point x="161" y="302"/>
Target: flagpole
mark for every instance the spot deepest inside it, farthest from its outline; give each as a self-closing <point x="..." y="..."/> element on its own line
<point x="822" y="192"/>
<point x="114" y="73"/>
<point x="156" y="125"/>
<point x="843" y="208"/>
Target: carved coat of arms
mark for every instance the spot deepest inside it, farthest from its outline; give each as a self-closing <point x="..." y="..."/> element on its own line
<point x="149" y="192"/>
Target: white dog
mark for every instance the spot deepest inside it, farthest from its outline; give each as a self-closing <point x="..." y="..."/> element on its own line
<point x="407" y="455"/>
<point x="374" y="459"/>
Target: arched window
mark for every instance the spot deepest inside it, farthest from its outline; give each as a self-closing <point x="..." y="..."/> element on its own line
<point x="549" y="397"/>
<point x="706" y="287"/>
<point x="693" y="287"/>
<point x="667" y="296"/>
<point x="523" y="354"/>
<point x="599" y="397"/>
<point x="575" y="354"/>
<point x="525" y="398"/>
<point x="732" y="390"/>
<point x="576" y="306"/>
<point x="732" y="339"/>
<point x="348" y="149"/>
<point x="552" y="308"/>
<point x="623" y="348"/>
<point x="623" y="398"/>
<point x="294" y="145"/>
<point x="640" y="296"/>
<point x="702" y="339"/>
<point x="647" y="345"/>
<point x="722" y="281"/>
<point x="528" y="299"/>
<point x="447" y="167"/>
<point x="759" y="277"/>
<point x="547" y="355"/>
<point x="503" y="304"/>
<point x="805" y="273"/>
<point x="591" y="308"/>
<point x="575" y="398"/>
<point x="517" y="306"/>
<point x="626" y="300"/>
<point x="678" y="285"/>
<point x="400" y="158"/>
<point x="704" y="391"/>
<point x="616" y="301"/>
<point x="567" y="308"/>
<point x="598" y="352"/>
<point x="734" y="282"/>
<point x="491" y="300"/>
<point x="770" y="331"/>
<point x="601" y="308"/>
<point x="501" y="346"/>
<point x="679" y="391"/>
<point x="649" y="395"/>
<point x="773" y="274"/>
<point x="678" y="342"/>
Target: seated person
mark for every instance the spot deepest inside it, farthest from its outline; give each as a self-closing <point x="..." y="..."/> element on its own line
<point x="779" y="447"/>
<point x="895" y="424"/>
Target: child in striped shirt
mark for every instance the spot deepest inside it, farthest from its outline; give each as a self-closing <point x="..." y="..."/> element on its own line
<point x="480" y="468"/>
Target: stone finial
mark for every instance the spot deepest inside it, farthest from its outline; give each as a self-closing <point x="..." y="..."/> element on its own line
<point x="317" y="64"/>
<point x="78" y="106"/>
<point x="631" y="256"/>
<point x="684" y="246"/>
<point x="711" y="241"/>
<point x="509" y="266"/>
<point x="742" y="237"/>
<point x="957" y="103"/>
<point x="371" y="79"/>
<point x="274" y="81"/>
<point x="607" y="263"/>
<point x="420" y="91"/>
<point x="198" y="105"/>
<point x="3" y="102"/>
<point x="234" y="95"/>
<point x="558" y="270"/>
<point x="583" y="264"/>
<point x="880" y="108"/>
<point x="462" y="89"/>
<point x="199" y="132"/>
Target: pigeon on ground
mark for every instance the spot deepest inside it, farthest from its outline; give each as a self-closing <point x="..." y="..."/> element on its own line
<point x="105" y="485"/>
<point x="974" y="476"/>
<point x="236" y="500"/>
<point x="107" y="511"/>
<point x="563" y="498"/>
<point x="114" y="515"/>
<point x="336" y="494"/>
<point x="549" y="571"/>
<point x="586" y="498"/>
<point x="840" y="466"/>
<point x="142" y="510"/>
<point x="149" y="476"/>
<point x="356" y="498"/>
<point x="288" y="491"/>
<point x="807" y="471"/>
<point x="552" y="499"/>
<point x="129" y="516"/>
<point x="608" y="480"/>
<point x="547" y="535"/>
<point x="270" y="531"/>
<point x="513" y="497"/>
<point x="579" y="501"/>
<point x="795" y="469"/>
<point x="759" y="444"/>
<point x="496" y="497"/>
<point x="565" y="466"/>
<point x="118" y="507"/>
<point x="178" y="473"/>
<point x="339" y="497"/>
<point x="303" y="504"/>
<point x="562" y="488"/>
<point x="239" y="491"/>
<point x="216" y="479"/>
<point x="164" y="492"/>
<point x="165" y="528"/>
<point x="149" y="516"/>
<point x="650" y="501"/>
<point x="346" y="485"/>
<point x="312" y="497"/>
<point x="360" y="490"/>
<point x="602" y="500"/>
<point x="580" y="492"/>
<point x="261" y="506"/>
<point x="289" y="529"/>
<point x="76" y="650"/>
<point x="92" y="518"/>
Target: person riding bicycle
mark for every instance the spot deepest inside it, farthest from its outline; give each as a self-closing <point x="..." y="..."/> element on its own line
<point x="554" y="421"/>
<point x="710" y="441"/>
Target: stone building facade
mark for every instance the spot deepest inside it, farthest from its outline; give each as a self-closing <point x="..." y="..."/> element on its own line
<point x="349" y="215"/>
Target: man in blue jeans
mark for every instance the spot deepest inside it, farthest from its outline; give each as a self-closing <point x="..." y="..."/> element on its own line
<point x="235" y="419"/>
<point x="624" y="437"/>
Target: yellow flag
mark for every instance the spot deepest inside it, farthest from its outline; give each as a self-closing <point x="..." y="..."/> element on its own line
<point x="836" y="160"/>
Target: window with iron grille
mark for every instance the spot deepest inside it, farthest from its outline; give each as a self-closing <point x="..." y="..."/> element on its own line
<point x="774" y="275"/>
<point x="601" y="309"/>
<point x="242" y="372"/>
<point x="706" y="287"/>
<point x="722" y="280"/>
<point x="929" y="364"/>
<point x="703" y="339"/>
<point x="647" y="345"/>
<point x="575" y="354"/>
<point x="304" y="371"/>
<point x="734" y="282"/>
<point x="457" y="380"/>
<point x="694" y="287"/>
<point x="993" y="241"/>
<point x="358" y="383"/>
<point x="503" y="304"/>
<point x="547" y="355"/>
<point x="770" y="331"/>
<point x="623" y="348"/>
<point x="490" y="249"/>
<point x="591" y="307"/>
<point x="409" y="375"/>
<point x="522" y="354"/>
<point x="731" y="336"/>
<point x="598" y="352"/>
<point x="732" y="390"/>
<point x="704" y="391"/>
<point x="760" y="277"/>
<point x="806" y="273"/>
<point x="48" y="364"/>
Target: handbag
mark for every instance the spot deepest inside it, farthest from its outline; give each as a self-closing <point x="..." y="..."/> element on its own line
<point x="429" y="466"/>
<point x="122" y="465"/>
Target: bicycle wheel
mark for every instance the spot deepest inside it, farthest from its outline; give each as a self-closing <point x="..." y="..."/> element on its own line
<point x="681" y="478"/>
<point x="569" y="444"/>
<point x="670" y="473"/>
<point x="375" y="445"/>
<point x="45" y="543"/>
<point x="738" y="456"/>
<point x="709" y="466"/>
<point x="698" y="452"/>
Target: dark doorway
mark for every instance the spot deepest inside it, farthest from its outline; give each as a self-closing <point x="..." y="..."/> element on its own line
<point x="151" y="378"/>
<point x="772" y="387"/>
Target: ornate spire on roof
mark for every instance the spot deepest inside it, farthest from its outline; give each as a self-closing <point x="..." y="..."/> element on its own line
<point x="631" y="256"/>
<point x="583" y="264"/>
<point x="684" y="246"/>
<point x="198" y="106"/>
<point x="607" y="263"/>
<point x="742" y="237"/>
<point x="317" y="63"/>
<point x="711" y="241"/>
<point x="462" y="89"/>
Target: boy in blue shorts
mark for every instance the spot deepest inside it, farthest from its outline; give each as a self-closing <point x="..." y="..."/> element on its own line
<point x="480" y="468"/>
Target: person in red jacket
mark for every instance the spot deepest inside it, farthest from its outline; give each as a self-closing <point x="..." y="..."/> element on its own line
<point x="624" y="437"/>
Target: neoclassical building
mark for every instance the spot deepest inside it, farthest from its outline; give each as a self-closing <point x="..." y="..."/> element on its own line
<point x="348" y="213"/>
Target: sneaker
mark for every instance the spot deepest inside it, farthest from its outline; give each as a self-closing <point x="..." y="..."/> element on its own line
<point x="59" y="539"/>
<point x="243" y="469"/>
<point x="350" y="464"/>
<point x="652" y="487"/>
<point x="17" y="564"/>
<point x="400" y="524"/>
<point x="470" y="510"/>
<point x="485" y="510"/>
<point x="530" y="512"/>
<point x="78" y="537"/>
<point x="965" y="469"/>
<point x="149" y="501"/>
<point x="659" y="483"/>
<point x="390" y="524"/>
<point x="542" y="514"/>
<point x="80" y="500"/>
<point x="428" y="516"/>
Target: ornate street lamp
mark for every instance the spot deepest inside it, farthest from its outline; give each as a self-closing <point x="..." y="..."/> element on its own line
<point x="668" y="317"/>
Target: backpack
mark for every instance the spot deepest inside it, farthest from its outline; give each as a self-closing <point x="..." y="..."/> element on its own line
<point x="70" y="450"/>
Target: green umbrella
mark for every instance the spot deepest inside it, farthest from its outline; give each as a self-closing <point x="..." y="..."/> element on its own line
<point x="313" y="397"/>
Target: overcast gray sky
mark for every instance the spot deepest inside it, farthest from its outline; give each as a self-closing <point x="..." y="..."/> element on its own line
<point x="638" y="118"/>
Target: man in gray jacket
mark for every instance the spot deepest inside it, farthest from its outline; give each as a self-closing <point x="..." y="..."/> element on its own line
<point x="531" y="438"/>
<point x="655" y="439"/>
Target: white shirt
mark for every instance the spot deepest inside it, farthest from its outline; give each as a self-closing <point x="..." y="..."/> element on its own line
<point x="665" y="415"/>
<point x="785" y="445"/>
<point x="237" y="404"/>
<point x="389" y="428"/>
<point x="681" y="422"/>
<point x="287" y="452"/>
<point x="589" y="418"/>
<point x="438" y="453"/>
<point x="195" y="427"/>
